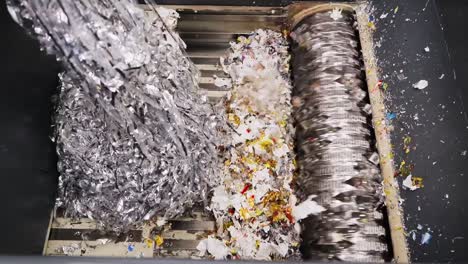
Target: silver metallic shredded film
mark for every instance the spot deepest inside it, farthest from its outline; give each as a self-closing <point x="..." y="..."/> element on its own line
<point x="134" y="138"/>
<point x="335" y="158"/>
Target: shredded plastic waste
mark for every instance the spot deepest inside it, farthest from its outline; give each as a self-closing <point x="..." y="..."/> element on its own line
<point x="255" y="208"/>
<point x="134" y="137"/>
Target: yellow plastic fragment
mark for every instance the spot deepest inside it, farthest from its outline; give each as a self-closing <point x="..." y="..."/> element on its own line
<point x="371" y="25"/>
<point x="159" y="240"/>
<point x="417" y="181"/>
<point x="149" y="242"/>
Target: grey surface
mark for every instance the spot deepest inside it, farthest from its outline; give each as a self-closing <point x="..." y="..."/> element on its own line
<point x="27" y="156"/>
<point x="441" y="133"/>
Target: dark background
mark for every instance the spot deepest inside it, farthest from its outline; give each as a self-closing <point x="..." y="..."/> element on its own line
<point x="435" y="119"/>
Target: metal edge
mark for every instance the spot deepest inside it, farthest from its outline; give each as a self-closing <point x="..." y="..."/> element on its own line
<point x="299" y="10"/>
<point x="198" y="8"/>
<point x="384" y="146"/>
<point x="49" y="227"/>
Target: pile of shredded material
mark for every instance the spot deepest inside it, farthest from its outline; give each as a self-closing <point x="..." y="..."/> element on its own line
<point x="134" y="138"/>
<point x="255" y="206"/>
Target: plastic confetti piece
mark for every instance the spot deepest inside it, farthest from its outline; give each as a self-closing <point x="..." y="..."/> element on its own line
<point x="130" y="248"/>
<point x="385" y="86"/>
<point x="426" y="237"/>
<point x="412" y="184"/>
<point x="422" y="84"/>
<point x="406" y="144"/>
<point x="391" y="116"/>
<point x="159" y="240"/>
<point x="396" y="10"/>
<point x="149" y="242"/>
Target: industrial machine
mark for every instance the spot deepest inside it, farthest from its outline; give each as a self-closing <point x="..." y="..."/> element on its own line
<point x="349" y="147"/>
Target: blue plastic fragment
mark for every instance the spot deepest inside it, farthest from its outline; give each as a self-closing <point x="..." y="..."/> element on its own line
<point x="131" y="248"/>
<point x="391" y="116"/>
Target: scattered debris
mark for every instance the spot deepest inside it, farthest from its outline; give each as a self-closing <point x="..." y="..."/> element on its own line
<point x="406" y="144"/>
<point x="412" y="183"/>
<point x="463" y="153"/>
<point x="405" y="169"/>
<point x="384" y="15"/>
<point x="421" y="84"/>
<point x="213" y="246"/>
<point x="426" y="49"/>
<point x="441" y="76"/>
<point x="396" y="10"/>
<point x="401" y="77"/>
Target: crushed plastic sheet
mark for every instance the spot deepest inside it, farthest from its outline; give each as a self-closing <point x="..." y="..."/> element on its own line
<point x="421" y="84"/>
<point x="214" y="247"/>
<point x="411" y="183"/>
<point x="134" y="137"/>
<point x="254" y="206"/>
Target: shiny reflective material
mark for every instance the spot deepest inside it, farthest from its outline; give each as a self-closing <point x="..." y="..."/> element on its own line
<point x="134" y="137"/>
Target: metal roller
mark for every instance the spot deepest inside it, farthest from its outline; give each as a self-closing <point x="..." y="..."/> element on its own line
<point x="336" y="154"/>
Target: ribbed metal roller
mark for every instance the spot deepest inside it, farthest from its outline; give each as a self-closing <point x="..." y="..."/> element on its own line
<point x="336" y="154"/>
